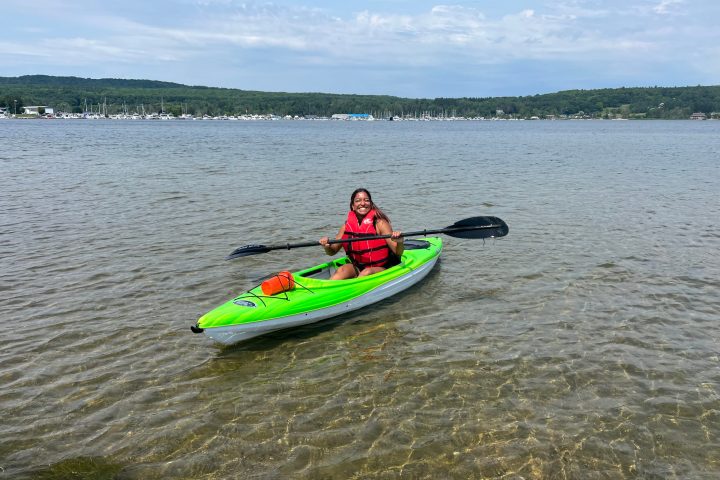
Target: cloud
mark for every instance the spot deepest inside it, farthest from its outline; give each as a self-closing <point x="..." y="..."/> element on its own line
<point x="442" y="33"/>
<point x="665" y="6"/>
<point x="270" y="40"/>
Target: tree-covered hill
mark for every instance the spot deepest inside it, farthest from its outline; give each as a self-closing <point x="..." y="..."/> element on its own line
<point x="73" y="94"/>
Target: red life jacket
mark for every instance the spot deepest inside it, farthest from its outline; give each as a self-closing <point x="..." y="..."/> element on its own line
<point x="368" y="253"/>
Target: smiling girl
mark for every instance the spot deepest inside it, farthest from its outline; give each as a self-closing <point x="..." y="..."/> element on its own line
<point x="367" y="256"/>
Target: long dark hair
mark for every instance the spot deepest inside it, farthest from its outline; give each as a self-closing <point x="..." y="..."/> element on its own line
<point x="379" y="215"/>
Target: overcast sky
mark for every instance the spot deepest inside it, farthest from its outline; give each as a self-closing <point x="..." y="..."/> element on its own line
<point x="408" y="48"/>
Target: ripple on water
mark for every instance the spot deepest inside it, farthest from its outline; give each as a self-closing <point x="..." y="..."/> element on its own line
<point x="582" y="345"/>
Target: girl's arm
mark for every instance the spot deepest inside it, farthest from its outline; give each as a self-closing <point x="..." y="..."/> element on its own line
<point x="396" y="243"/>
<point x="333" y="248"/>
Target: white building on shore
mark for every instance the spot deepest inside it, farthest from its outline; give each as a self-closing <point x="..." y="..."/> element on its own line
<point x="352" y="116"/>
<point x="35" y="110"/>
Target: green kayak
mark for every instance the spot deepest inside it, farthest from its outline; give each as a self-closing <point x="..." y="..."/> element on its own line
<point x="314" y="297"/>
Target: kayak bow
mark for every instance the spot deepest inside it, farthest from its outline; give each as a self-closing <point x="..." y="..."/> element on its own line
<point x="315" y="297"/>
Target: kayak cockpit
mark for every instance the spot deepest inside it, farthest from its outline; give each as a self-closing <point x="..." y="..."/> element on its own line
<point x="326" y="271"/>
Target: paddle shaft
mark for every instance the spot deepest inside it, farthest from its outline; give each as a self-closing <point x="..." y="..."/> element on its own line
<point x="447" y="231"/>
<point x="474" y="227"/>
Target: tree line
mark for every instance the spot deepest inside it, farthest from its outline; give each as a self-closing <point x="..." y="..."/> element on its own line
<point x="110" y="96"/>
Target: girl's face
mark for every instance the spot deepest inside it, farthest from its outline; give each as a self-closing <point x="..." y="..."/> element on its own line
<point x="361" y="204"/>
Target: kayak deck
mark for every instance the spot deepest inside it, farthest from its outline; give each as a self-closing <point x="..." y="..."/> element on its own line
<point x="315" y="297"/>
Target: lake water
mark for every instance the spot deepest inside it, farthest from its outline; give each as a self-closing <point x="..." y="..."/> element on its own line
<point x="585" y="344"/>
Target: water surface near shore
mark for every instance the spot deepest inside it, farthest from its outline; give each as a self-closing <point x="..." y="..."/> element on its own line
<point x="583" y="345"/>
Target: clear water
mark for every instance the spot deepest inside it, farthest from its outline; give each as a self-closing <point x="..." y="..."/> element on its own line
<point x="583" y="345"/>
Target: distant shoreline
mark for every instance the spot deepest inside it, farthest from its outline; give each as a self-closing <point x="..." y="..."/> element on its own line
<point x="113" y="97"/>
<point x="256" y="118"/>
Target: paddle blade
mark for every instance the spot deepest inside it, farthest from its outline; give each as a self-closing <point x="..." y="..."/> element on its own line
<point x="248" y="250"/>
<point x="478" y="227"/>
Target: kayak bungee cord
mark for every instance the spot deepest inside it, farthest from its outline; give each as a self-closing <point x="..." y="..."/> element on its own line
<point x="275" y="297"/>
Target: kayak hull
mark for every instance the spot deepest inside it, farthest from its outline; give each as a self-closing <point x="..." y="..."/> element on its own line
<point x="314" y="299"/>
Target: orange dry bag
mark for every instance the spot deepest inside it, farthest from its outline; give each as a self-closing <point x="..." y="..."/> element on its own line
<point x="282" y="282"/>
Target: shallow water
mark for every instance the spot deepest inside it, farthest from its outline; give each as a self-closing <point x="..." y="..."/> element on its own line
<point x="582" y="345"/>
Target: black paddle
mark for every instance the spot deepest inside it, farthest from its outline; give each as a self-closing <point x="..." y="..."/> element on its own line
<point x="473" y="227"/>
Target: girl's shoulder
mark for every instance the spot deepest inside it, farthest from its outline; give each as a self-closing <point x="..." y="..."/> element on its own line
<point x="382" y="226"/>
